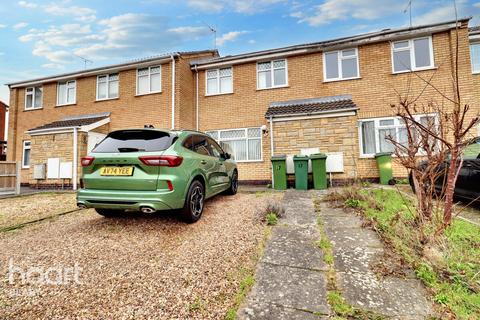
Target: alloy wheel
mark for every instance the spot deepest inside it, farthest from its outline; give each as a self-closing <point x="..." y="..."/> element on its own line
<point x="196" y="201"/>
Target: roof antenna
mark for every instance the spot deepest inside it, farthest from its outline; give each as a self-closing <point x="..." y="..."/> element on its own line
<point x="409" y="8"/>
<point x="85" y="60"/>
<point x="214" y="31"/>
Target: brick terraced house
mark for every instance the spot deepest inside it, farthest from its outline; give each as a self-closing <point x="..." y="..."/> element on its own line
<point x="331" y="96"/>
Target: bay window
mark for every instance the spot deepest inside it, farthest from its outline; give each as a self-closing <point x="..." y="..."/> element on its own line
<point x="66" y="92"/>
<point x="107" y="86"/>
<point x="374" y="133"/>
<point x="340" y="65"/>
<point x="219" y="81"/>
<point x="272" y="74"/>
<point x="149" y="80"/>
<point x="243" y="144"/>
<point x="33" y="98"/>
<point x="412" y="55"/>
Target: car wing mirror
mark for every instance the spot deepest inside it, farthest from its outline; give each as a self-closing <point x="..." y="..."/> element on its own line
<point x="227" y="156"/>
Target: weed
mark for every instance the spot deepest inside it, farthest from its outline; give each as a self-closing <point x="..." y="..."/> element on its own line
<point x="352" y="203"/>
<point x="197" y="305"/>
<point x="271" y="211"/>
<point x="272" y="219"/>
<point x="338" y="304"/>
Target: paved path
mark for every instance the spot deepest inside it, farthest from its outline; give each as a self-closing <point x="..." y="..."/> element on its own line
<point x="291" y="280"/>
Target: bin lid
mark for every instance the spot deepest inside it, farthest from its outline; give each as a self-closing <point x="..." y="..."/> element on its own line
<point x="300" y="157"/>
<point x="383" y="154"/>
<point x="318" y="156"/>
<point x="279" y="157"/>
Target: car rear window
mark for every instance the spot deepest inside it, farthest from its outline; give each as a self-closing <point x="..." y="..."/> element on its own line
<point x="135" y="141"/>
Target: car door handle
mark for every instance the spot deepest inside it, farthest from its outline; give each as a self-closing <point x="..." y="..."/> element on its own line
<point x="203" y="162"/>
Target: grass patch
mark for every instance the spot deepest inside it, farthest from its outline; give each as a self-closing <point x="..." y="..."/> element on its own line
<point x="449" y="266"/>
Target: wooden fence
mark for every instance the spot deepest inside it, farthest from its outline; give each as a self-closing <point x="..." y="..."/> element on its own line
<point x="9" y="177"/>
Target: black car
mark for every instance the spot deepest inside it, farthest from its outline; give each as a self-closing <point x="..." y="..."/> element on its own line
<point x="468" y="181"/>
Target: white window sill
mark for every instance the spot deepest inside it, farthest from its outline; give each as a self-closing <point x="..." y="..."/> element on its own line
<point x="270" y="88"/>
<point x="148" y="93"/>
<point x="25" y="167"/>
<point x="415" y="70"/>
<point x="66" y="104"/>
<point x="33" y="109"/>
<point x="344" y="79"/>
<point x="218" y="94"/>
<point x="106" y="99"/>
<point x="475" y="72"/>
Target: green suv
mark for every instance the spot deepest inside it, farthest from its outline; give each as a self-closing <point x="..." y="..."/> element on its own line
<point x="150" y="170"/>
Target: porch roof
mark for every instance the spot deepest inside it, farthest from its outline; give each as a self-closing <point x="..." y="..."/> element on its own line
<point x="82" y="122"/>
<point x="315" y="106"/>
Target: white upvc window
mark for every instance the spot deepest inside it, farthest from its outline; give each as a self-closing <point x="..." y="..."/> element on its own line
<point x="272" y="74"/>
<point x="26" y="154"/>
<point x="66" y="92"/>
<point x="341" y="65"/>
<point x="475" y="57"/>
<point x="149" y="80"/>
<point x="107" y="86"/>
<point x="33" y="98"/>
<point x="245" y="145"/>
<point x="219" y="81"/>
<point x="412" y="55"/>
<point x="373" y="133"/>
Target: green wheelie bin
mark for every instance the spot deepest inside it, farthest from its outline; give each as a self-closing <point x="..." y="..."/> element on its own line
<point x="279" y="171"/>
<point x="319" y="169"/>
<point x="384" y="163"/>
<point x="301" y="172"/>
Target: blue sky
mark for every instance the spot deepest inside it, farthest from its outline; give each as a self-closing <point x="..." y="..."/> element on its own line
<point x="39" y="38"/>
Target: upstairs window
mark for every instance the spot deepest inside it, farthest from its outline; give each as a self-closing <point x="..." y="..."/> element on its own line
<point x="33" y="98"/>
<point x="475" y="57"/>
<point x="107" y="86"/>
<point x="66" y="92"/>
<point x="340" y="65"/>
<point x="412" y="55"/>
<point x="219" y="81"/>
<point x="26" y="154"/>
<point x="149" y="80"/>
<point x="272" y="74"/>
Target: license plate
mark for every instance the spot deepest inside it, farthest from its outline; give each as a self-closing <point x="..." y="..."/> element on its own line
<point x="116" y="171"/>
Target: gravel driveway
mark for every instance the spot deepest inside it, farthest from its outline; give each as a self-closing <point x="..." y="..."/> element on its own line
<point x="145" y="266"/>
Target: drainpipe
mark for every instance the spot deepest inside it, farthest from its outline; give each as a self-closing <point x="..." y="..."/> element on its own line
<point x="272" y="149"/>
<point x="196" y="99"/>
<point x="75" y="143"/>
<point x="173" y="91"/>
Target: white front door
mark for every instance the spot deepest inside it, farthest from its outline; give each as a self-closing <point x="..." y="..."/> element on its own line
<point x="93" y="139"/>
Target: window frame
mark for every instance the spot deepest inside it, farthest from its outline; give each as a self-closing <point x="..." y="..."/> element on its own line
<point x="33" y="98"/>
<point x="24" y="147"/>
<point x="246" y="141"/>
<point x="339" y="64"/>
<point x="108" y="86"/>
<point x="272" y="73"/>
<point x="377" y="126"/>
<point x="66" y="89"/>
<point x="475" y="43"/>
<point x="411" y="48"/>
<point x="218" y="77"/>
<point x="149" y="80"/>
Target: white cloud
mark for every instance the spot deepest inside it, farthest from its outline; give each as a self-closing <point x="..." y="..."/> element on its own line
<point x="82" y="14"/>
<point x="29" y="5"/>
<point x="42" y="49"/>
<point x="52" y="66"/>
<point x="241" y="6"/>
<point x="229" y="36"/>
<point x="3" y="26"/>
<point x="444" y="11"/>
<point x="20" y="25"/>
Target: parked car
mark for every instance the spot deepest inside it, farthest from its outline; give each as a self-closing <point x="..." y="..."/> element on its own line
<point x="150" y="170"/>
<point x="467" y="186"/>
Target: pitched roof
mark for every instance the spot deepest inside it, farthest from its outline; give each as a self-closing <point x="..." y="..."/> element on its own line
<point x="371" y="37"/>
<point x="311" y="106"/>
<point x="73" y="122"/>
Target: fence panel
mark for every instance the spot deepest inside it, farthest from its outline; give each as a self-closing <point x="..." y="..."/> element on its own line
<point x="9" y="177"/>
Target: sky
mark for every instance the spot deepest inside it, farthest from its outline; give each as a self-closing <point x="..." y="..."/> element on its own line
<point x="40" y="38"/>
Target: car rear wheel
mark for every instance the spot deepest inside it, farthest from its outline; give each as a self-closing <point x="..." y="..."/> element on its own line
<point x="109" y="213"/>
<point x="233" y="184"/>
<point x="193" y="208"/>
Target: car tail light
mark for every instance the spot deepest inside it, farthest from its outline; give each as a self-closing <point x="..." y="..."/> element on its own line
<point x="86" y="161"/>
<point x="170" y="185"/>
<point x="162" y="161"/>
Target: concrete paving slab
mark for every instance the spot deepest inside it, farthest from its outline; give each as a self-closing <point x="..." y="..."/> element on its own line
<point x="292" y="288"/>
<point x="295" y="247"/>
<point x="342" y="220"/>
<point x="263" y="311"/>
<point x="358" y="259"/>
<point x="352" y="237"/>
